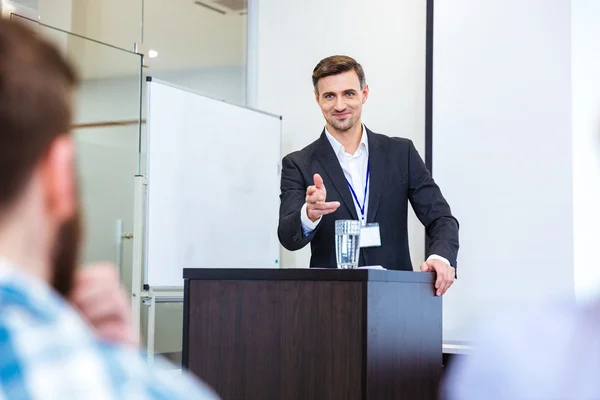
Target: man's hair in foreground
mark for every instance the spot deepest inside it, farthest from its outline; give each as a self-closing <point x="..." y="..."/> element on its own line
<point x="336" y="65"/>
<point x="36" y="90"/>
<point x="36" y="87"/>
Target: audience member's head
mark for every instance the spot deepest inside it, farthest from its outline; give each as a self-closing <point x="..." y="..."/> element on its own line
<point x="39" y="216"/>
<point x="48" y="347"/>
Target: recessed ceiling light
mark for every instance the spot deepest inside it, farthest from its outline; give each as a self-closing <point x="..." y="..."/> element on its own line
<point x="153" y="53"/>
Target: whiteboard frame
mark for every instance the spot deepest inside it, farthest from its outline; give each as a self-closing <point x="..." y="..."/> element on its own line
<point x="150" y="79"/>
<point x="146" y="210"/>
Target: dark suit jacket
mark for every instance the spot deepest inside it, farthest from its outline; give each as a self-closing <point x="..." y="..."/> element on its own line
<point x="398" y="175"/>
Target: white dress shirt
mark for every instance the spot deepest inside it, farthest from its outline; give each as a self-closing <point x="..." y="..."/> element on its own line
<point x="355" y="171"/>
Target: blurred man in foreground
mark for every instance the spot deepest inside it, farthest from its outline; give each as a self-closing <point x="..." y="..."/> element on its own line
<point x="550" y="352"/>
<point x="46" y="348"/>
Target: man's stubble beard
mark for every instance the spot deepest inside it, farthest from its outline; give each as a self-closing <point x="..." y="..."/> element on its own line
<point x="65" y="256"/>
<point x="343" y="126"/>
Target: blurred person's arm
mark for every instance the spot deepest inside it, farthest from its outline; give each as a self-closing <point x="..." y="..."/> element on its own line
<point x="518" y="356"/>
<point x="101" y="299"/>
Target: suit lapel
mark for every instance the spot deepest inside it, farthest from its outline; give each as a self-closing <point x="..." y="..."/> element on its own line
<point x="377" y="158"/>
<point x="333" y="170"/>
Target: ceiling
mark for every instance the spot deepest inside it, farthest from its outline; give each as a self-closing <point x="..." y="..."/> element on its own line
<point x="186" y="35"/>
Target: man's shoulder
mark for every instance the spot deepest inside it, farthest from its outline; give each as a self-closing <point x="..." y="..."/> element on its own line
<point x="57" y="357"/>
<point x="303" y="154"/>
<point x="395" y="141"/>
<point x="161" y="380"/>
<point x="50" y="350"/>
<point x="44" y="341"/>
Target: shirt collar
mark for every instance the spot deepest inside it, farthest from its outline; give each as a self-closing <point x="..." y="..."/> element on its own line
<point x="10" y="271"/>
<point x="29" y="291"/>
<point x="339" y="149"/>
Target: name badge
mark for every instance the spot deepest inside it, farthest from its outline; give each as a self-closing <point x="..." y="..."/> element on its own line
<point x="369" y="236"/>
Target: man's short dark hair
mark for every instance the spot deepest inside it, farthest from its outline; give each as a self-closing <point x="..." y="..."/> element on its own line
<point x="36" y="87"/>
<point x="336" y="65"/>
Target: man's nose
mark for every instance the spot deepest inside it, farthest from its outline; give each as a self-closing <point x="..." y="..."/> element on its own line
<point x="340" y="104"/>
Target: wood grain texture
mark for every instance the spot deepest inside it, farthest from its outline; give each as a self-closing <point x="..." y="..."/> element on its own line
<point x="277" y="339"/>
<point x="357" y="337"/>
<point x="404" y="341"/>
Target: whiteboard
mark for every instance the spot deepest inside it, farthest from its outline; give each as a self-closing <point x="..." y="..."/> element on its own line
<point x="213" y="185"/>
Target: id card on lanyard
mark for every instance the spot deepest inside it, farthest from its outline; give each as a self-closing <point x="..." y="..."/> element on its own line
<point x="369" y="233"/>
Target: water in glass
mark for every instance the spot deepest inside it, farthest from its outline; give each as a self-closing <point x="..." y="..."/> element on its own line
<point x="347" y="243"/>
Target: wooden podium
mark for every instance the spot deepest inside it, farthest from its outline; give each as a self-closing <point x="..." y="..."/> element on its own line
<point x="313" y="334"/>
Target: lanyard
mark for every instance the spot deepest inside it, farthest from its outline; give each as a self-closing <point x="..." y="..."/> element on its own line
<point x="362" y="208"/>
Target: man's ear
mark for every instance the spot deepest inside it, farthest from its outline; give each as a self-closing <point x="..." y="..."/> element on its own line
<point x="317" y="97"/>
<point x="59" y="178"/>
<point x="365" y="93"/>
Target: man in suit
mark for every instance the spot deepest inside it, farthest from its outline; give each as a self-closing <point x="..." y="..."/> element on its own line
<point x="351" y="172"/>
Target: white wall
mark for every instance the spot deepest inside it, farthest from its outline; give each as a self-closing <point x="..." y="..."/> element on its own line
<point x="115" y="22"/>
<point x="24" y="8"/>
<point x="56" y="13"/>
<point x="387" y="38"/>
<point x="107" y="163"/>
<point x="502" y="151"/>
<point x="586" y="145"/>
<point x="223" y="83"/>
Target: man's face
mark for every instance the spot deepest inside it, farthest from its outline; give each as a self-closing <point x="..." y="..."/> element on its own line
<point x="341" y="99"/>
<point x="62" y="210"/>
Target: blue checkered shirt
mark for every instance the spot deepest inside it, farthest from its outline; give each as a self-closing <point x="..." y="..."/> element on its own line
<point x="47" y="351"/>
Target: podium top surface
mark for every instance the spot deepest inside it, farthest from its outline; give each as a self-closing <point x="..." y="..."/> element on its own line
<point x="307" y="274"/>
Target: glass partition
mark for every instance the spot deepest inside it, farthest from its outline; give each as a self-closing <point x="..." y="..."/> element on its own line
<point x="115" y="22"/>
<point x="200" y="45"/>
<point x="107" y="131"/>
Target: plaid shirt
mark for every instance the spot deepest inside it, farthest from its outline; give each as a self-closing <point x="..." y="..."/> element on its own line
<point x="48" y="352"/>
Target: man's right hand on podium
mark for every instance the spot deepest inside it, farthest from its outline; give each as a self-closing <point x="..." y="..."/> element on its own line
<point x="316" y="206"/>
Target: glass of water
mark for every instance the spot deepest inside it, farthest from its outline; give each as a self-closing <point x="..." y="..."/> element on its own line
<point x="347" y="243"/>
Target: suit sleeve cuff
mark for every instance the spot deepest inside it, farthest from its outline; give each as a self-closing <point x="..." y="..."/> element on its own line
<point x="307" y="225"/>
<point x="436" y="257"/>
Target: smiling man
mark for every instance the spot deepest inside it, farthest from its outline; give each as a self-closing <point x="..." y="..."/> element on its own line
<point x="351" y="172"/>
